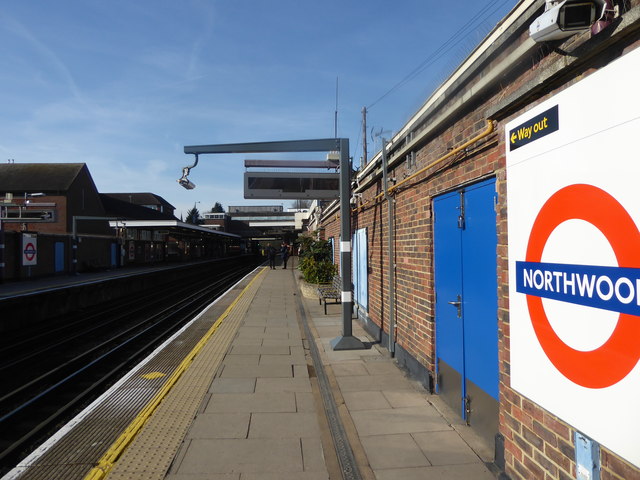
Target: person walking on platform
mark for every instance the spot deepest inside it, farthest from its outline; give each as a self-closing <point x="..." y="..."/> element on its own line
<point x="271" y="255"/>
<point x="284" y="251"/>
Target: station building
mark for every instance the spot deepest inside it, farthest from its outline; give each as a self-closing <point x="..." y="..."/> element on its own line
<point x="54" y="221"/>
<point x="494" y="245"/>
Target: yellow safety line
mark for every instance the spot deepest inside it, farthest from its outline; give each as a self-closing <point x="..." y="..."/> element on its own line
<point x="111" y="456"/>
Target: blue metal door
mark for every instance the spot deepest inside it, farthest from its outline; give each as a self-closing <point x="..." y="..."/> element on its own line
<point x="59" y="257"/>
<point x="465" y="242"/>
<point x="447" y="244"/>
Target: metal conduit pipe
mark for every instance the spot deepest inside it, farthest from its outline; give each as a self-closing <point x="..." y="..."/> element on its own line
<point x="488" y="131"/>
<point x="387" y="191"/>
<point x="456" y="150"/>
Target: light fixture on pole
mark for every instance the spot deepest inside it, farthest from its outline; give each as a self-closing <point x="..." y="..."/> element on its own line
<point x="346" y="341"/>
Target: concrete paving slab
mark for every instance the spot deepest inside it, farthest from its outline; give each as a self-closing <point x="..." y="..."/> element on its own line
<point x="233" y="385"/>
<point x="349" y="368"/>
<point x="249" y="341"/>
<point x="386" y="367"/>
<point x="333" y="357"/>
<point x="328" y="331"/>
<point x="300" y="371"/>
<point x="279" y="342"/>
<point x="364" y="383"/>
<point x="248" y="455"/>
<point x="252" y="402"/>
<point x="251" y="330"/>
<point x="288" y="331"/>
<point x="297" y="350"/>
<point x="393" y="451"/>
<point x="205" y="476"/>
<point x="261" y="350"/>
<point x="448" y="472"/>
<point x="300" y="384"/>
<point x="398" y="420"/>
<point x="365" y="401"/>
<point x="405" y="398"/>
<point x="241" y="360"/>
<point x="258" y="371"/>
<point x="220" y="425"/>
<point x="305" y="402"/>
<point x="312" y="455"/>
<point x="333" y="321"/>
<point x="445" y="448"/>
<point x="283" y="476"/>
<point x="282" y="360"/>
<point x="283" y="425"/>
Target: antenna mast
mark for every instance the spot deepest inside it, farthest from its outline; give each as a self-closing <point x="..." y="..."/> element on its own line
<point x="335" y="118"/>
<point x="364" y="136"/>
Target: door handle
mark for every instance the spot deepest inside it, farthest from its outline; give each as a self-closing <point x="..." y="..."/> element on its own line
<point x="458" y="304"/>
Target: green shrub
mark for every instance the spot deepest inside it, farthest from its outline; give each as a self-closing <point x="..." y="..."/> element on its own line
<point x="316" y="262"/>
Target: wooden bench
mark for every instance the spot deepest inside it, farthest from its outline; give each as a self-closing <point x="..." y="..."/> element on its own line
<point x="330" y="292"/>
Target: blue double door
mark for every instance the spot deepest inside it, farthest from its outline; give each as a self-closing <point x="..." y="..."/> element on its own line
<point x="465" y="257"/>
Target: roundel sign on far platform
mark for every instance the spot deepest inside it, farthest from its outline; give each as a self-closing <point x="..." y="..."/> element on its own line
<point x="29" y="249"/>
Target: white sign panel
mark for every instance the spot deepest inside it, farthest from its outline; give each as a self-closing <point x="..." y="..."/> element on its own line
<point x="573" y="194"/>
<point x="29" y="249"/>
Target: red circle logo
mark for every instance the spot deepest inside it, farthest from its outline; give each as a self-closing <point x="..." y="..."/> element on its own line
<point x="612" y="361"/>
<point x="30" y="251"/>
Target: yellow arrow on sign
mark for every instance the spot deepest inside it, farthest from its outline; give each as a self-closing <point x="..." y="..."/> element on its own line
<point x="514" y="137"/>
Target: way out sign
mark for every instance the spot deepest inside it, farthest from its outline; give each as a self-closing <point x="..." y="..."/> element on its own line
<point x="29" y="249"/>
<point x="574" y="258"/>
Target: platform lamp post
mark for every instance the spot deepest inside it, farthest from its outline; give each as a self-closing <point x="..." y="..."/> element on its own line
<point x="346" y="341"/>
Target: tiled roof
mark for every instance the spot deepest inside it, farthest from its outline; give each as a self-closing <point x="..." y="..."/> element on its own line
<point x="123" y="209"/>
<point x="38" y="177"/>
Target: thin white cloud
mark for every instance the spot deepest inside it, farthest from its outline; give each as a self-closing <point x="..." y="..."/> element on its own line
<point x="20" y="30"/>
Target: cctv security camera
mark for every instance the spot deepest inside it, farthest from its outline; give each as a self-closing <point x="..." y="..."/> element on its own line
<point x="186" y="183"/>
<point x="565" y="18"/>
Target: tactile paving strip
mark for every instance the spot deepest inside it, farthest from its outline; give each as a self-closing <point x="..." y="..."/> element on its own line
<point x="148" y="451"/>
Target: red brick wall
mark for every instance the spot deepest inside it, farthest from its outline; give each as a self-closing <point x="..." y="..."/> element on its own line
<point x="538" y="445"/>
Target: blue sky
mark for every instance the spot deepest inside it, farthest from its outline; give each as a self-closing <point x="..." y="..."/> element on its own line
<point x="124" y="85"/>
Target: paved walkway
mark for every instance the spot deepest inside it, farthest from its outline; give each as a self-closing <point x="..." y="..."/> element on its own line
<point x="263" y="415"/>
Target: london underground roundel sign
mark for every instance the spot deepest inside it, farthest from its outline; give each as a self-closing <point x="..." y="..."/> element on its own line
<point x="621" y="351"/>
<point x="573" y="214"/>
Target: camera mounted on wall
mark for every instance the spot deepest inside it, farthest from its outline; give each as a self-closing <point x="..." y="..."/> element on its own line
<point x="564" y="18"/>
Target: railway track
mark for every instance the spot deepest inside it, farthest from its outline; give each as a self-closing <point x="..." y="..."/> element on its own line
<point x="49" y="376"/>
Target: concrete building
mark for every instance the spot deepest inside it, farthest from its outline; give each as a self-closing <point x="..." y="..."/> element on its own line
<point x="54" y="221"/>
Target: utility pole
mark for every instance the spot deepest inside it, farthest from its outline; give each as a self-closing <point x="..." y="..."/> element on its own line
<point x="364" y="136"/>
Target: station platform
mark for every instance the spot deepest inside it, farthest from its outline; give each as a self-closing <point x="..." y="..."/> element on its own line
<point x="15" y="288"/>
<point x="264" y="396"/>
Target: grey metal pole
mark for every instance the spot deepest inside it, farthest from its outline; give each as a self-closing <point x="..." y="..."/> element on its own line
<point x="391" y="269"/>
<point x="347" y="341"/>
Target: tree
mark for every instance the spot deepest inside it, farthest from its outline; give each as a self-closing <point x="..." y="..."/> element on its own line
<point x="217" y="208"/>
<point x="193" y="217"/>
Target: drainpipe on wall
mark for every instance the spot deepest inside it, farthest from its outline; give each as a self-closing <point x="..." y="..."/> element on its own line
<point x="391" y="273"/>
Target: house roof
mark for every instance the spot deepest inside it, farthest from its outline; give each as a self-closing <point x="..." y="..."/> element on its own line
<point x="38" y="177"/>
<point x="124" y="209"/>
<point x="141" y="198"/>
